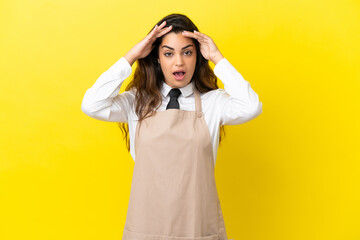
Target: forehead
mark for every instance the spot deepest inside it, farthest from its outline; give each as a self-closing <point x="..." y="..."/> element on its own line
<point x="176" y="41"/>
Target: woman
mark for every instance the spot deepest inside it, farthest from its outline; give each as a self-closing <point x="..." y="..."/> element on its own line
<point x="174" y="110"/>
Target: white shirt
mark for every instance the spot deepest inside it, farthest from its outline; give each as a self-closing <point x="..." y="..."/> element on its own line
<point x="237" y="104"/>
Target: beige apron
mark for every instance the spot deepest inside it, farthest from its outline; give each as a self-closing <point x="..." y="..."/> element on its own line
<point x="173" y="193"/>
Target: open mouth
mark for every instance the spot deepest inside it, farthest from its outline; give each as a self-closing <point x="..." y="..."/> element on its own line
<point x="179" y="75"/>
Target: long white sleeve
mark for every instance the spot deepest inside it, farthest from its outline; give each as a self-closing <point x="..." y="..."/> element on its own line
<point x="239" y="102"/>
<point x="103" y="102"/>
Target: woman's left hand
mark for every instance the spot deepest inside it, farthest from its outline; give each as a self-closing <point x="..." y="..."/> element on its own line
<point x="208" y="48"/>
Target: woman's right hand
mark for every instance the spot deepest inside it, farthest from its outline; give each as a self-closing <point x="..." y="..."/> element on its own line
<point x="144" y="47"/>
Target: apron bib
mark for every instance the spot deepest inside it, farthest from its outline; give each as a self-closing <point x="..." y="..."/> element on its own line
<point x="173" y="194"/>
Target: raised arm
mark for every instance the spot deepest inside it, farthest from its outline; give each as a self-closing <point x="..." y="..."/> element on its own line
<point x="103" y="102"/>
<point x="239" y="102"/>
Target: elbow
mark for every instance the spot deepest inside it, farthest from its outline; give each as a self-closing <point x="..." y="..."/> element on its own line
<point x="85" y="108"/>
<point x="239" y="116"/>
<point x="85" y="104"/>
<point x="256" y="111"/>
<point x="96" y="112"/>
<point x="88" y="106"/>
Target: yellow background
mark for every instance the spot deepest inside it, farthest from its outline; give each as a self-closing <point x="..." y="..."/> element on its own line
<point x="290" y="174"/>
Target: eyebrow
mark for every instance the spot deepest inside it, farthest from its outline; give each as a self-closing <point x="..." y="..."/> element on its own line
<point x="182" y="48"/>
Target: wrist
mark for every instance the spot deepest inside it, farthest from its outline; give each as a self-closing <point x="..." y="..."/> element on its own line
<point x="217" y="57"/>
<point x="130" y="58"/>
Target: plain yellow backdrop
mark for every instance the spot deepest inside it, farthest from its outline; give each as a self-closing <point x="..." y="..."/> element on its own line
<point x="290" y="174"/>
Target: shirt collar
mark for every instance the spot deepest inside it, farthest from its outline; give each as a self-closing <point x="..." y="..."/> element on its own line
<point x="185" y="91"/>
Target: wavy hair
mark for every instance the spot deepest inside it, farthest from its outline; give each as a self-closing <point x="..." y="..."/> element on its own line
<point x="148" y="76"/>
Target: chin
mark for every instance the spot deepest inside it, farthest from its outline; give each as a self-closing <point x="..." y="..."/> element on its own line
<point x="181" y="84"/>
<point x="178" y="84"/>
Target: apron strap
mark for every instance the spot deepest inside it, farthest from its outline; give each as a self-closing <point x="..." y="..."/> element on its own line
<point x="197" y="100"/>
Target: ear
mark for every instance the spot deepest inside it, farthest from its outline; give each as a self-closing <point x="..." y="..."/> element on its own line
<point x="158" y="61"/>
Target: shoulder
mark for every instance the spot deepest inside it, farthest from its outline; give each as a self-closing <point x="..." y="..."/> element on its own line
<point x="215" y="94"/>
<point x="215" y="99"/>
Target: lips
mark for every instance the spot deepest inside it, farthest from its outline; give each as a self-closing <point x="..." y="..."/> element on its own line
<point x="179" y="75"/>
<point x="180" y="72"/>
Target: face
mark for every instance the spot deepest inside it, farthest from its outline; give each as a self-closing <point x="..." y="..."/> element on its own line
<point x="177" y="53"/>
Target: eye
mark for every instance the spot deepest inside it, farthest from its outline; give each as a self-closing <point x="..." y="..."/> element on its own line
<point x="186" y="53"/>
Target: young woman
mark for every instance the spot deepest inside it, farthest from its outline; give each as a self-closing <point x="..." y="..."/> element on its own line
<point x="174" y="111"/>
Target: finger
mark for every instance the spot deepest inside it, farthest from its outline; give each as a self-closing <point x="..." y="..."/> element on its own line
<point x="199" y="33"/>
<point x="190" y="34"/>
<point x="162" y="24"/>
<point x="157" y="28"/>
<point x="160" y="28"/>
<point x="154" y="29"/>
<point x="204" y="36"/>
<point x="164" y="31"/>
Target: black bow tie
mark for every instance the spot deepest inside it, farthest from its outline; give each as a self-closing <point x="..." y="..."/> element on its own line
<point x="173" y="103"/>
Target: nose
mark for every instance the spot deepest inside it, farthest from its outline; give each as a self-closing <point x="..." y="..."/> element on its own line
<point x="179" y="60"/>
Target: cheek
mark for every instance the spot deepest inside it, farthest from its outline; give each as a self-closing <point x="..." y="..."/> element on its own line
<point x="167" y="69"/>
<point x="193" y="63"/>
<point x="193" y="59"/>
<point x="164" y="65"/>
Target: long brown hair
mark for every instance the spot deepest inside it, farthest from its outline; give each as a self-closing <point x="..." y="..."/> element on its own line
<point x="148" y="76"/>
